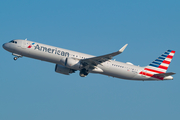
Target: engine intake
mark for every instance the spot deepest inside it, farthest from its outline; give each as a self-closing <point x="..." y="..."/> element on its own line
<point x="63" y="70"/>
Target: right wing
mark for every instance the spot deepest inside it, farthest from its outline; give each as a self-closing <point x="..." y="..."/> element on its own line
<point x="94" y="61"/>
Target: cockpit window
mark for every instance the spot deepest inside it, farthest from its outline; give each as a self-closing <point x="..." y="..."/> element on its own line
<point x="12" y="41"/>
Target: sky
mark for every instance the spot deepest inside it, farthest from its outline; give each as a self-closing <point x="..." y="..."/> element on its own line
<point x="31" y="90"/>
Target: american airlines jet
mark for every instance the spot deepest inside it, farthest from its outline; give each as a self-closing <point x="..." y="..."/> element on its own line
<point x="68" y="61"/>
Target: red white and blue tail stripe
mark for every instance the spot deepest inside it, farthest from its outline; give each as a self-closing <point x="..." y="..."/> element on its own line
<point x="159" y="66"/>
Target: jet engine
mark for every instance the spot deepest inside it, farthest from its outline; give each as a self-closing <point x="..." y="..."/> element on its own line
<point x="71" y="63"/>
<point x="63" y="70"/>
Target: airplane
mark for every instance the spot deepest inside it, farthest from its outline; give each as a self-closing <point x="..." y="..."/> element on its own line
<point x="68" y="61"/>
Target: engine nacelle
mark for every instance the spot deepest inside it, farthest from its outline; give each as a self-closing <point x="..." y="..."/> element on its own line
<point x="63" y="70"/>
<point x="71" y="63"/>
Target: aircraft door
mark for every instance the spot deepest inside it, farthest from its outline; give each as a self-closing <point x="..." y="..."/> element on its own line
<point x="108" y="63"/>
<point x="24" y="44"/>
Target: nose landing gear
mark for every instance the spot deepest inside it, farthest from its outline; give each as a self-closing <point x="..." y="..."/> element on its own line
<point x="16" y="56"/>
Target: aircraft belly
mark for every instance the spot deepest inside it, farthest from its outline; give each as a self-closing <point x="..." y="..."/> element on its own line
<point x="122" y="74"/>
<point x="117" y="72"/>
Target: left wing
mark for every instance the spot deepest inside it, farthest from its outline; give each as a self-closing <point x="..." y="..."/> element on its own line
<point x="94" y="61"/>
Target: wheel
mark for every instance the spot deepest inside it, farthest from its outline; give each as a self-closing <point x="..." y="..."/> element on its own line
<point x="15" y="58"/>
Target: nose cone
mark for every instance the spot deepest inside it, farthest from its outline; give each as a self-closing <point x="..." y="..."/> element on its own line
<point x="5" y="46"/>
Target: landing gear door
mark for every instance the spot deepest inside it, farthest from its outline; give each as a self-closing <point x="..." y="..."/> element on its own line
<point x="24" y="44"/>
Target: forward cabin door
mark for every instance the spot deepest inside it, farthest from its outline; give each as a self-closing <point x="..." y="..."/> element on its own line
<point x="24" y="44"/>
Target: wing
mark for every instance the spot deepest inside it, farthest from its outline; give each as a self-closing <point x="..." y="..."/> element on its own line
<point x="94" y="61"/>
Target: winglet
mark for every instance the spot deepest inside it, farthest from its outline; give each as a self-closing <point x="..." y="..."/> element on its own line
<point x="123" y="48"/>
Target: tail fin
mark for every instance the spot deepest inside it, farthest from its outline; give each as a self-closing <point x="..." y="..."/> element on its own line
<point x="160" y="65"/>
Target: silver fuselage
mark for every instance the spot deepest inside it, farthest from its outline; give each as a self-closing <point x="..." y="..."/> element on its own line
<point x="54" y="55"/>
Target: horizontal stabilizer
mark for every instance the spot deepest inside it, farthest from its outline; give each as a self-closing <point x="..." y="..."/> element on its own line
<point x="165" y="74"/>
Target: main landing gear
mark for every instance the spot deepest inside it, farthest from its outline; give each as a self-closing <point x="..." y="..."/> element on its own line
<point x="83" y="72"/>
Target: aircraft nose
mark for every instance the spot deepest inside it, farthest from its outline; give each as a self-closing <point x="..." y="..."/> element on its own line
<point x="5" y="46"/>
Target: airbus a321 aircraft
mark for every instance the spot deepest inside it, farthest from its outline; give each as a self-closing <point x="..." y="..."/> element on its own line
<point x="68" y="61"/>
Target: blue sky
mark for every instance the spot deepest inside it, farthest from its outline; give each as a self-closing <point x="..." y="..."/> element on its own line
<point x="30" y="89"/>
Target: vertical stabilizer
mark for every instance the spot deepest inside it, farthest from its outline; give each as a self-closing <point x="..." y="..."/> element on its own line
<point x="160" y="65"/>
